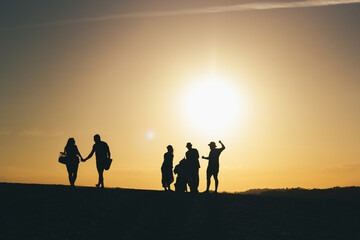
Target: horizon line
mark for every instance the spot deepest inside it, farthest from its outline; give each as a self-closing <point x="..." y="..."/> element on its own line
<point x="161" y="190"/>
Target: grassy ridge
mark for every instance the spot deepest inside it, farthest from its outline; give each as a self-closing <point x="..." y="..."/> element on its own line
<point x="59" y="212"/>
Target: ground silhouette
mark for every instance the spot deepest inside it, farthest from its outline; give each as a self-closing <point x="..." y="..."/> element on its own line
<point x="349" y="193"/>
<point x="31" y="211"/>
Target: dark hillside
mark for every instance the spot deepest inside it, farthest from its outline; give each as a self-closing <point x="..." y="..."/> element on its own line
<point x="59" y="212"/>
<point x="348" y="193"/>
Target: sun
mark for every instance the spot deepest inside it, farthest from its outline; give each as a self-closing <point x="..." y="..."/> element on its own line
<point x="213" y="105"/>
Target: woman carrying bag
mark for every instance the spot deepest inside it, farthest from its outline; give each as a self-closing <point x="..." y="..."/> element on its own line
<point x="72" y="161"/>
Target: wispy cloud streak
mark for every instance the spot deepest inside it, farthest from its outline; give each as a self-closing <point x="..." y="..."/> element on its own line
<point x="32" y="132"/>
<point x="256" y="5"/>
<point x="5" y="133"/>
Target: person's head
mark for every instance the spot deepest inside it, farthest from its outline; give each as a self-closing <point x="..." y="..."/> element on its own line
<point x="170" y="149"/>
<point x="212" y="145"/>
<point x="71" y="141"/>
<point x="189" y="145"/>
<point x="97" y="138"/>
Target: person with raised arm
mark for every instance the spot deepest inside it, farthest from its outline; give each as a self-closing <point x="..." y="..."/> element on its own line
<point x="213" y="167"/>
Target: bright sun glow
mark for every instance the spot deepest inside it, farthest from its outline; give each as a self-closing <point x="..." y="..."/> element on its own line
<point x="213" y="105"/>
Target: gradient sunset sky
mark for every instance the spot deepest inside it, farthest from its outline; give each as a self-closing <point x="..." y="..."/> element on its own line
<point x="277" y="81"/>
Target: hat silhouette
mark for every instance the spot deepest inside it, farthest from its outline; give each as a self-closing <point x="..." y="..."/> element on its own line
<point x="212" y="144"/>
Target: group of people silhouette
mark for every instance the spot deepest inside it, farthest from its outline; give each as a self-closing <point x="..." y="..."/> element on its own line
<point x="188" y="169"/>
<point x="101" y="150"/>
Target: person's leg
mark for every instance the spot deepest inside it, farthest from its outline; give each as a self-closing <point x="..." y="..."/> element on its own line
<point x="168" y="179"/>
<point x="196" y="180"/>
<point x="216" y="182"/>
<point x="171" y="179"/>
<point x="191" y="183"/>
<point x="100" y="172"/>
<point x="68" y="168"/>
<point x="208" y="176"/>
<point x="163" y="182"/>
<point x="216" y="172"/>
<point x="176" y="185"/>
<point x="167" y="183"/>
<point x="75" y="170"/>
<point x="163" y="178"/>
<point x="101" y="177"/>
<point x="184" y="184"/>
<point x="187" y="183"/>
<point x="72" y="177"/>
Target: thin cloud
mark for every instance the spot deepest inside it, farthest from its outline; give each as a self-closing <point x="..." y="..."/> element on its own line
<point x="349" y="166"/>
<point x="5" y="133"/>
<point x="32" y="132"/>
<point x="259" y="5"/>
<point x="58" y="133"/>
<point x="35" y="132"/>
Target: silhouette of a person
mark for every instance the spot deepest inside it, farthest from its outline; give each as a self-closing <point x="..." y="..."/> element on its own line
<point x="72" y="163"/>
<point x="102" y="152"/>
<point x="182" y="175"/>
<point x="213" y="167"/>
<point x="192" y="155"/>
<point x="167" y="168"/>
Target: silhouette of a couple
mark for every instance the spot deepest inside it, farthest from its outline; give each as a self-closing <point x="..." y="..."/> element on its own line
<point x="102" y="153"/>
<point x="188" y="169"/>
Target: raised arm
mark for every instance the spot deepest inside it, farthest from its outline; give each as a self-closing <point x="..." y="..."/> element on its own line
<point x="222" y="145"/>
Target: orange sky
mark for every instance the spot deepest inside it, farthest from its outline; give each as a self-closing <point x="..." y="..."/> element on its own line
<point x="294" y="120"/>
